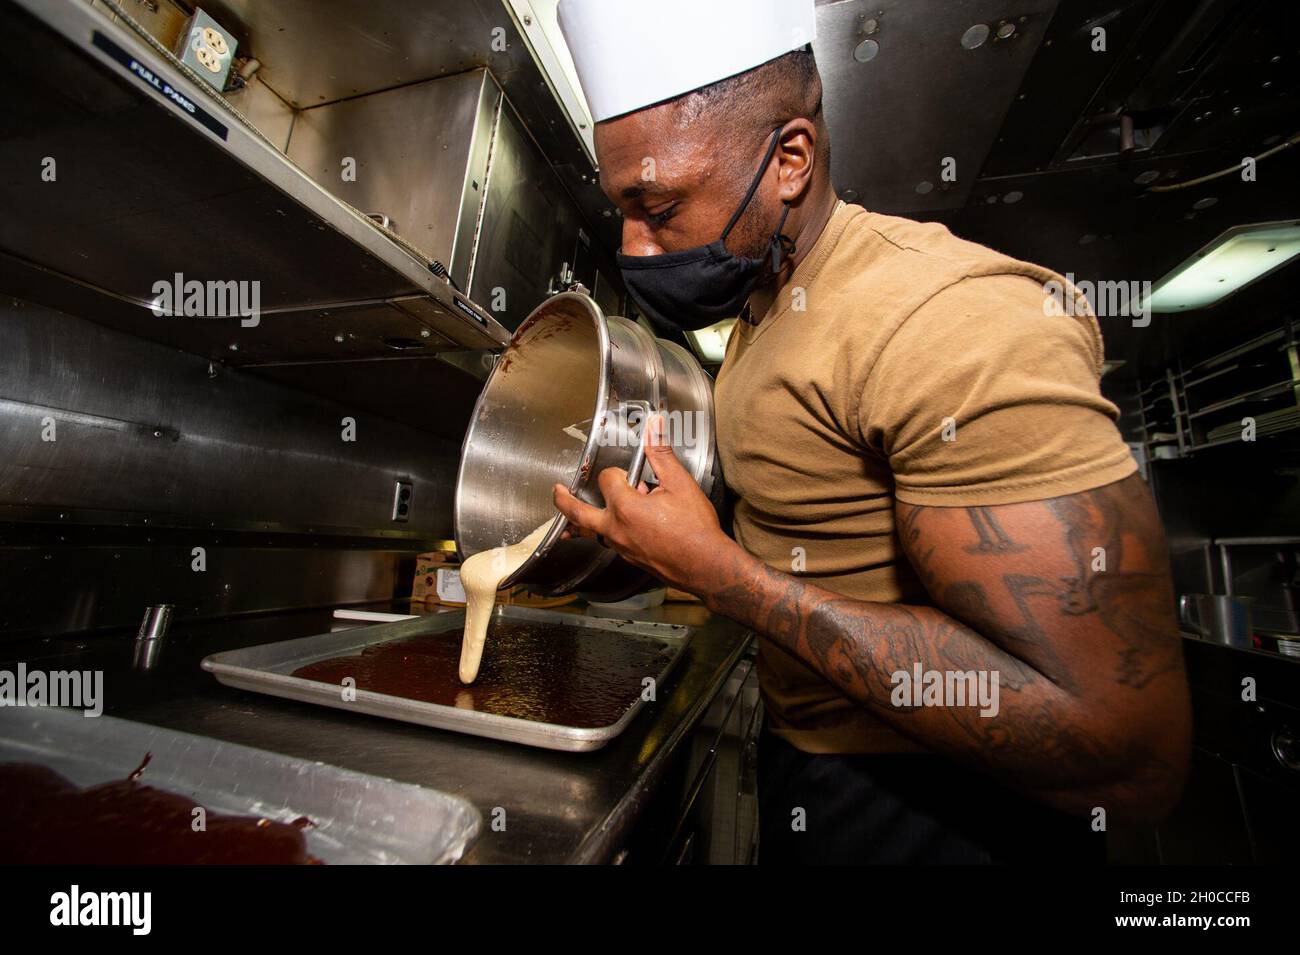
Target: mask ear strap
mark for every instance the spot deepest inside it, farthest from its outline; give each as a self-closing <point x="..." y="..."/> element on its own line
<point x="753" y="186"/>
<point x="782" y="245"/>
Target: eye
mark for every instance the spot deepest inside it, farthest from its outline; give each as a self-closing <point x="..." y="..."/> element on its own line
<point x="659" y="218"/>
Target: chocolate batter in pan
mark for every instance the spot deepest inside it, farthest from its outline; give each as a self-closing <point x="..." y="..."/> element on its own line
<point x="548" y="673"/>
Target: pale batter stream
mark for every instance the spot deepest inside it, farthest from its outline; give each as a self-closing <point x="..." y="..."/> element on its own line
<point x="481" y="575"/>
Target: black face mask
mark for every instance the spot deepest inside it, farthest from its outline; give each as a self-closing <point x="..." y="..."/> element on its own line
<point x="698" y="287"/>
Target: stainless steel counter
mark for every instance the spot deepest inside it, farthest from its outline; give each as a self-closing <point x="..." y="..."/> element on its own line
<point x="538" y="806"/>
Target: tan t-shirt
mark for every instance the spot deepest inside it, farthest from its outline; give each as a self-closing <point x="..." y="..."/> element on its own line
<point x="890" y="336"/>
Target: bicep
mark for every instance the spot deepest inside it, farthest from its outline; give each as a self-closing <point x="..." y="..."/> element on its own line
<point x="1077" y="586"/>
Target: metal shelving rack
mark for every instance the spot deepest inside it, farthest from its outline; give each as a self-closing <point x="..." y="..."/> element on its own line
<point x="1202" y="406"/>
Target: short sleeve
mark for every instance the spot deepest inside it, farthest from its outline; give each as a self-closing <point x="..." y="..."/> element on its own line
<point x="981" y="396"/>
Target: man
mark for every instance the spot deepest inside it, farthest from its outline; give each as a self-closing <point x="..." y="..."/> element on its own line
<point x="967" y="648"/>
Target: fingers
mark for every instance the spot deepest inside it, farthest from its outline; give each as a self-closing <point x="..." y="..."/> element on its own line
<point x="659" y="454"/>
<point x="613" y="483"/>
<point x="585" y="519"/>
<point x="588" y="521"/>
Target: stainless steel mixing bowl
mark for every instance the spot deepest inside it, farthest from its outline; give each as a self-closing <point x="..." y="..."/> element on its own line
<point x="567" y="399"/>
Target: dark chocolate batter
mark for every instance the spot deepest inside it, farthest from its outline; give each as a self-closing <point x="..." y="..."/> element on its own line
<point x="548" y="673"/>
<point x="48" y="820"/>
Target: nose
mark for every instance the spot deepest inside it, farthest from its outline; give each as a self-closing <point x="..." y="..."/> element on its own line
<point x="637" y="240"/>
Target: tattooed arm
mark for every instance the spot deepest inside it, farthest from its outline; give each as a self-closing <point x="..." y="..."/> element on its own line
<point x="1067" y="600"/>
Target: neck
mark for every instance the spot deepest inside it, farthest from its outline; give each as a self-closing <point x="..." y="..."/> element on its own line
<point x="811" y="225"/>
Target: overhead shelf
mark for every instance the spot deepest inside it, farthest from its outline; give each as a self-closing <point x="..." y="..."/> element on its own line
<point x="153" y="175"/>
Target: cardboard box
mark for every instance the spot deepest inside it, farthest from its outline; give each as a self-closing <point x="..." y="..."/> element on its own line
<point x="437" y="581"/>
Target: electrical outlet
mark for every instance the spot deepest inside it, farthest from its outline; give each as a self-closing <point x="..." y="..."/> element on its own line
<point x="402" y="498"/>
<point x="207" y="49"/>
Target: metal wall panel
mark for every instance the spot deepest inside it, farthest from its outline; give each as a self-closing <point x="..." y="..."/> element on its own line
<point x="56" y="587"/>
<point x="530" y="226"/>
<point x="902" y="93"/>
<point x="272" y="116"/>
<point x="143" y="189"/>
<point x="141" y="431"/>
<point x="317" y="51"/>
<point x="420" y="157"/>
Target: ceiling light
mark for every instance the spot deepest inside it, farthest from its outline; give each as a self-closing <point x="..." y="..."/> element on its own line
<point x="711" y="343"/>
<point x="1238" y="257"/>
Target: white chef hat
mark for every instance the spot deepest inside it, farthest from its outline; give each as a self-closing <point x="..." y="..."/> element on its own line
<point x="630" y="54"/>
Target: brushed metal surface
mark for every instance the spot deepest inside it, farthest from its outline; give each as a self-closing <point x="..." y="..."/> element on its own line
<point x="689" y="393"/>
<point x="922" y="98"/>
<point x="342" y="332"/>
<point x="537" y="423"/>
<point x="551" y="412"/>
<point x="317" y="51"/>
<point x="357" y="819"/>
<point x="309" y="61"/>
<point x="144" y="191"/>
<point x="272" y="116"/>
<point x="269" y="668"/>
<point x="56" y="578"/>
<point x="474" y="186"/>
<point x="139" y="428"/>
<point x="155" y="453"/>
<point x="560" y="807"/>
<point x="423" y="392"/>
<point x="529" y="229"/>
<point x="420" y="158"/>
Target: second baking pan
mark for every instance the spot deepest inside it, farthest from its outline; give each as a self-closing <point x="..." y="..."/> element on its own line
<point x="355" y="818"/>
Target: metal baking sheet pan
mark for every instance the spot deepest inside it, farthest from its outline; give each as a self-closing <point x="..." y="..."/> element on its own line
<point x="268" y="669"/>
<point x="357" y="818"/>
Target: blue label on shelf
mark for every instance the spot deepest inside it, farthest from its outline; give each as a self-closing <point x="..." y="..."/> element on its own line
<point x="159" y="85"/>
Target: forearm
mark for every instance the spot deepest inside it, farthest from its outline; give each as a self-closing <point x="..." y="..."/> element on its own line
<point x="1043" y="738"/>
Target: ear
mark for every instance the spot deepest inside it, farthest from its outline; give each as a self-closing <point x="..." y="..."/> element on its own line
<point x="797" y="153"/>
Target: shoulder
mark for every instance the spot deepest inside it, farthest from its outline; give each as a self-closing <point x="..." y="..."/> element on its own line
<point x="1008" y="317"/>
<point x="927" y="250"/>
<point x="920" y="287"/>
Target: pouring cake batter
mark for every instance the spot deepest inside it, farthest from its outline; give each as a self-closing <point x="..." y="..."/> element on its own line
<point x="481" y="575"/>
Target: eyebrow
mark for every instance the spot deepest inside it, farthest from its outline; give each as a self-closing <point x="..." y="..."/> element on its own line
<point x="645" y="188"/>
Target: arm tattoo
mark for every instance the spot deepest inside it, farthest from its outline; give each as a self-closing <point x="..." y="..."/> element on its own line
<point x="993" y="539"/>
<point x="1068" y="601"/>
<point x="1134" y="605"/>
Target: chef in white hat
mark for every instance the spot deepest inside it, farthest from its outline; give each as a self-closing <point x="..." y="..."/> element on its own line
<point x="967" y="647"/>
<point x="745" y="71"/>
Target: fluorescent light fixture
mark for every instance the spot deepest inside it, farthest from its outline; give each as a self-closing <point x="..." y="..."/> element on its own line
<point x="1242" y="255"/>
<point x="711" y="343"/>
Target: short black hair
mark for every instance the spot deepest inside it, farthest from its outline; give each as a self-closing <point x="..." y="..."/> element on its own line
<point x="746" y="107"/>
